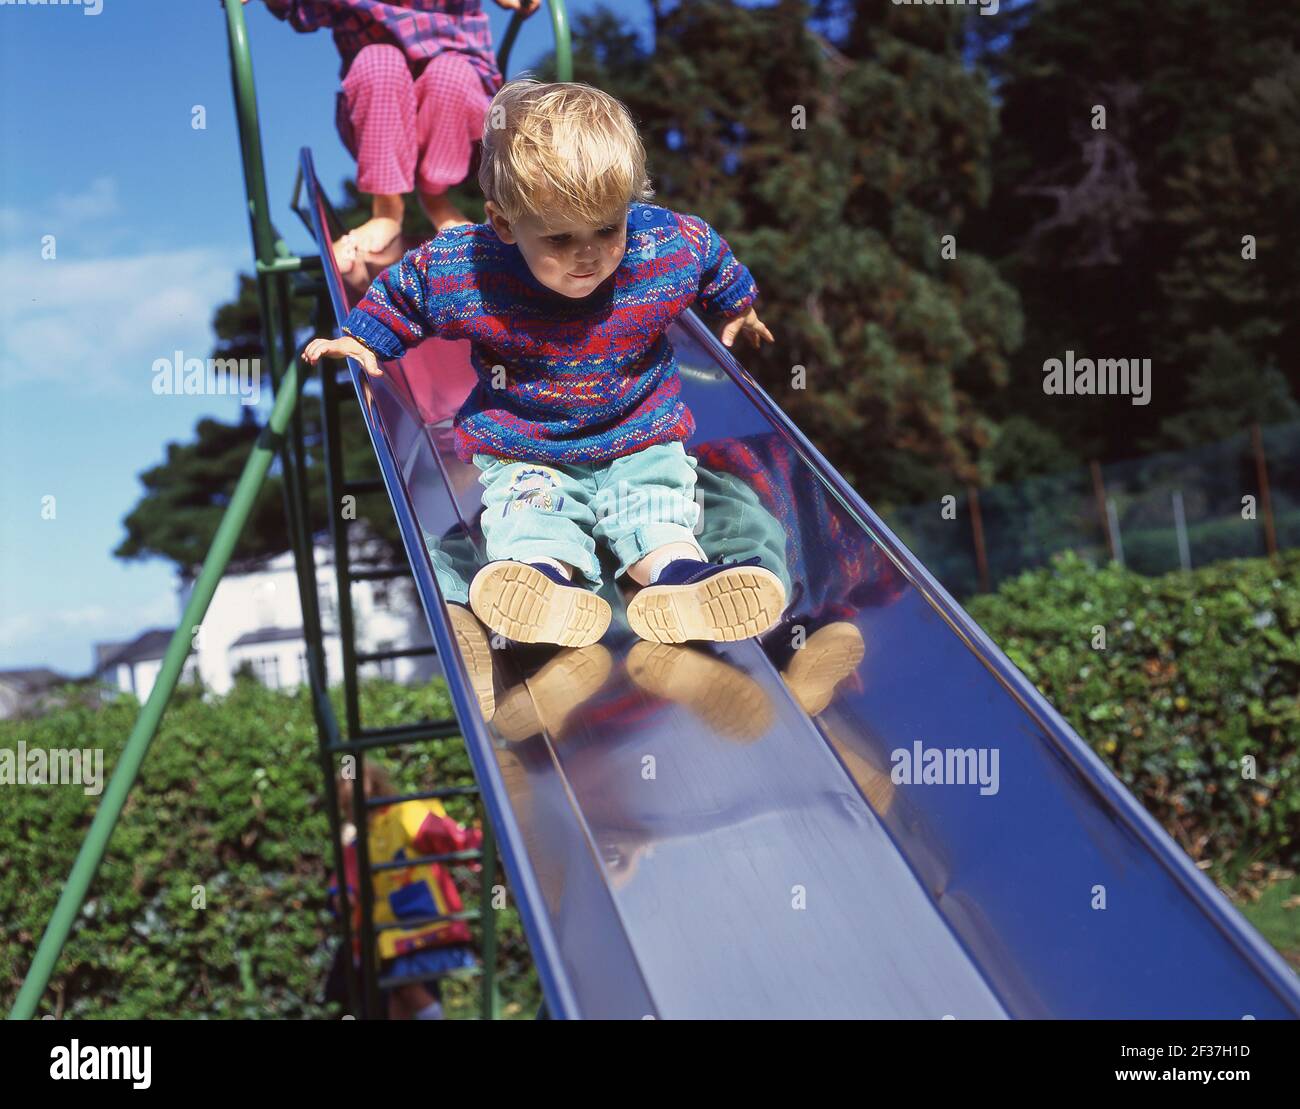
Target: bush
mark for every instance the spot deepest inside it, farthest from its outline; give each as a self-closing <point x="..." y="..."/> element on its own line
<point x="230" y="799"/>
<point x="1155" y="550"/>
<point x="1200" y="670"/>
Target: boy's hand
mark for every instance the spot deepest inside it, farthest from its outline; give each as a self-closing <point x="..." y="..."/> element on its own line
<point x="525" y="6"/>
<point x="751" y="326"/>
<point x="345" y="347"/>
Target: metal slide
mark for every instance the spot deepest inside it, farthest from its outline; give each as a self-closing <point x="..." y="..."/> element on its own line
<point x="712" y="832"/>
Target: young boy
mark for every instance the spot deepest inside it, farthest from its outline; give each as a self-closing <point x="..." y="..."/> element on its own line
<point x="577" y="423"/>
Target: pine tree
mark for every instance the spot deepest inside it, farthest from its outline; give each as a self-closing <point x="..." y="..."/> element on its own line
<point x="834" y="148"/>
<point x="1123" y="233"/>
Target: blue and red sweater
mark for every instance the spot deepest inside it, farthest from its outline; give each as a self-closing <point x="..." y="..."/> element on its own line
<point x="586" y="380"/>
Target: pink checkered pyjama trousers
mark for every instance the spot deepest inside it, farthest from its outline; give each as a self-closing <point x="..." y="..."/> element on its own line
<point x="405" y="131"/>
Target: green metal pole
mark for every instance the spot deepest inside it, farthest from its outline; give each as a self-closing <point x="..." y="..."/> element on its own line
<point x="137" y="745"/>
<point x="265" y="240"/>
<point x="563" y="47"/>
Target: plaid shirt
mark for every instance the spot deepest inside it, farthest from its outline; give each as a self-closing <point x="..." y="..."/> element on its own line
<point x="421" y="29"/>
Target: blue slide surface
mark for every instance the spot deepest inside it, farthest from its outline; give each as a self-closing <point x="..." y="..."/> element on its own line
<point x="709" y="832"/>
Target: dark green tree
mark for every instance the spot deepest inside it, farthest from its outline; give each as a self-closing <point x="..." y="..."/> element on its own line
<point x="186" y="494"/>
<point x="1125" y="241"/>
<point x="834" y="146"/>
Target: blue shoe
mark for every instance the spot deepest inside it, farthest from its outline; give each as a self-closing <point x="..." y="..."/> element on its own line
<point x="532" y="602"/>
<point x="715" y="602"/>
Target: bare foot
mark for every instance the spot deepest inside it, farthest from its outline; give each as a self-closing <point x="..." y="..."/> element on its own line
<point x="378" y="234"/>
<point x="350" y="267"/>
<point x="365" y="252"/>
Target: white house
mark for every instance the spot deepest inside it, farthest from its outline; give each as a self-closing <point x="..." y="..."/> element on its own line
<point x="255" y="621"/>
<point x="22" y="690"/>
<point x="133" y="666"/>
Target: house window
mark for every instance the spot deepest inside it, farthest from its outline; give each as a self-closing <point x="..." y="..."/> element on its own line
<point x="266" y="669"/>
<point x="264" y="603"/>
<point x="387" y="666"/>
<point x="328" y="610"/>
<point x="381" y="594"/>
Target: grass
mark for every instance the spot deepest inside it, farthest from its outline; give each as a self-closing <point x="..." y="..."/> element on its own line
<point x="1274" y="908"/>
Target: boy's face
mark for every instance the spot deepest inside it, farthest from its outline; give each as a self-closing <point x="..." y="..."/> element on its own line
<point x="568" y="258"/>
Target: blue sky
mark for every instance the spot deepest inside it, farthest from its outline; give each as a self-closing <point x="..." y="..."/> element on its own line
<point x="149" y="234"/>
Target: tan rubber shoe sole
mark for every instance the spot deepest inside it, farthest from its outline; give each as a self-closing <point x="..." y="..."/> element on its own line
<point x="523" y="604"/>
<point x="726" y="699"/>
<point x="548" y="698"/>
<point x="737" y="603"/>
<point x="476" y="650"/>
<point x="828" y="656"/>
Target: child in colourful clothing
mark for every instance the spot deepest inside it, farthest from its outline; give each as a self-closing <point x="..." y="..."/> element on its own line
<point x="576" y="423"/>
<point x="410" y="829"/>
<point x="417" y="79"/>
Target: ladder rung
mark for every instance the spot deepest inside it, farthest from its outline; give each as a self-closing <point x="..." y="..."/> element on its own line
<point x="423" y="795"/>
<point x="396" y="652"/>
<point x="427" y="860"/>
<point x="396" y="736"/>
<point x="421" y="921"/>
<point x="363" y="486"/>
<point x="380" y="573"/>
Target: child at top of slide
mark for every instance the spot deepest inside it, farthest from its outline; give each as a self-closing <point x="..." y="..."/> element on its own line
<point x="417" y="79"/>
<point x="576" y="423"/>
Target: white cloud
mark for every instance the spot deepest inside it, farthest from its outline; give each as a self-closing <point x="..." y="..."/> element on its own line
<point x="63" y="213"/>
<point x="101" y="324"/>
<point x="25" y="636"/>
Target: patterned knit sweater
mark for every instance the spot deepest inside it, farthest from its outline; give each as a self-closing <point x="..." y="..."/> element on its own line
<point x="585" y="380"/>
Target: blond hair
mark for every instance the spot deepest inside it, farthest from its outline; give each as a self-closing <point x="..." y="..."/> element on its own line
<point x="376" y="782"/>
<point x="561" y="151"/>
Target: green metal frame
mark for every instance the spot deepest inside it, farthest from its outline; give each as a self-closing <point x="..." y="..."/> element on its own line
<point x="282" y="275"/>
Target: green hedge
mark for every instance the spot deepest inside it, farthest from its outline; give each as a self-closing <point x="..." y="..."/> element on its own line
<point x="1200" y="669"/>
<point x="230" y="798"/>
<point x="1155" y="550"/>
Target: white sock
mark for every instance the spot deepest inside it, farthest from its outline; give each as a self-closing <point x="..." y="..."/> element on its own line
<point x="432" y="1011"/>
<point x="658" y="566"/>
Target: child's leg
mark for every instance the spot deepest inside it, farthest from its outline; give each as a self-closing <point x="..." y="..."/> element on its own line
<point x="736" y="525"/>
<point x="646" y="509"/>
<point x="376" y="120"/>
<point x="451" y="106"/>
<point x="416" y="1002"/>
<point x="648" y="515"/>
<point x="647" y="569"/>
<point x="537" y="513"/>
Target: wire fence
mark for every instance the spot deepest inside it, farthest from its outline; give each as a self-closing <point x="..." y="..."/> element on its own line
<point x="1239" y="498"/>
